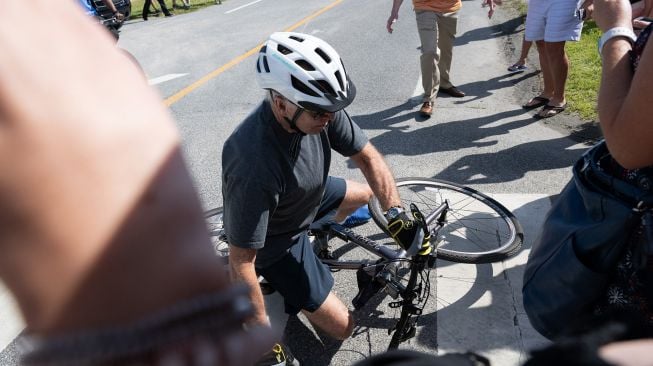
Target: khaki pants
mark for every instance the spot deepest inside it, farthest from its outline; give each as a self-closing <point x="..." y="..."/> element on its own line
<point x="437" y="32"/>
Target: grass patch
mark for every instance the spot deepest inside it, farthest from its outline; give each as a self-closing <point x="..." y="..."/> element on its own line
<point x="137" y="6"/>
<point x="520" y="6"/>
<point x="584" y="73"/>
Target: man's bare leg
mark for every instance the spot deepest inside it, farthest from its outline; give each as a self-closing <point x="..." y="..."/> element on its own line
<point x="332" y="317"/>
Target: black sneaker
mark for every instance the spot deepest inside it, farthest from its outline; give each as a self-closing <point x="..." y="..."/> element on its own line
<point x="279" y="356"/>
<point x="368" y="286"/>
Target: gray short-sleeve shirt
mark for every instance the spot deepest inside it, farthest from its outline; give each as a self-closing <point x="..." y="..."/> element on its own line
<point x="273" y="180"/>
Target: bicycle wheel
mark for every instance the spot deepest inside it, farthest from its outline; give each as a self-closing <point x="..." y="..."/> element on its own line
<point x="478" y="229"/>
<point x="216" y="232"/>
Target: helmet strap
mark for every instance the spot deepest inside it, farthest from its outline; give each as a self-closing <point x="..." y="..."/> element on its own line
<point x="293" y="122"/>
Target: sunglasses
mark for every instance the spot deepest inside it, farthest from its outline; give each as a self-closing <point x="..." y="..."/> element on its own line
<point x="317" y="115"/>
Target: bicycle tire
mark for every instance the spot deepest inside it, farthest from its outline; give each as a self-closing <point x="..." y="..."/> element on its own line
<point x="474" y="222"/>
<point x="215" y="227"/>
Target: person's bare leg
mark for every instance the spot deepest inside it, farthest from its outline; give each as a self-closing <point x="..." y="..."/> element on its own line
<point x="547" y="75"/>
<point x="525" y="48"/>
<point x="558" y="69"/>
<point x="357" y="195"/>
<point x="332" y="317"/>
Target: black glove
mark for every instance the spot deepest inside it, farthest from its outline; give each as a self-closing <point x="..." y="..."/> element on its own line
<point x="403" y="230"/>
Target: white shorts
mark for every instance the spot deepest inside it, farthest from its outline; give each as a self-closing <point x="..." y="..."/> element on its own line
<point x="553" y="21"/>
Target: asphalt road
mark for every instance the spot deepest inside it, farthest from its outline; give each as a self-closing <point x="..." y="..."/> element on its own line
<point x="203" y="67"/>
<point x="484" y="140"/>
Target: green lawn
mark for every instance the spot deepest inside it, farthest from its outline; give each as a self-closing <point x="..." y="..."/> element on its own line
<point x="137" y="6"/>
<point x="584" y="73"/>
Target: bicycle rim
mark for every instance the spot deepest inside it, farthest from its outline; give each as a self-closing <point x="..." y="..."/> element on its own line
<point x="213" y="219"/>
<point x="478" y="229"/>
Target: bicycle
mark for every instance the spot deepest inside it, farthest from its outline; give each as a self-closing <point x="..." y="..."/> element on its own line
<point x="465" y="225"/>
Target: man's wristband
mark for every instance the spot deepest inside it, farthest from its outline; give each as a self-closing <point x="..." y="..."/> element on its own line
<point x="616" y="32"/>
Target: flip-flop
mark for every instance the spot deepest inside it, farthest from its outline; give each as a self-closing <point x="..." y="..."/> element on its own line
<point x="517" y="68"/>
<point x="539" y="101"/>
<point x="550" y="111"/>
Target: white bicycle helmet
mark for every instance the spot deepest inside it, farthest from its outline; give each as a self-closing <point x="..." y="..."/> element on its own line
<point x="306" y="70"/>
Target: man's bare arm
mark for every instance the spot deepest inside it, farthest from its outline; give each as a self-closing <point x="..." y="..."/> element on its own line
<point x="241" y="264"/>
<point x="378" y="176"/>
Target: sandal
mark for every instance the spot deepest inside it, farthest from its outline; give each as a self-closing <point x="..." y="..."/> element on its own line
<point x="517" y="68"/>
<point x="550" y="111"/>
<point x="536" y="102"/>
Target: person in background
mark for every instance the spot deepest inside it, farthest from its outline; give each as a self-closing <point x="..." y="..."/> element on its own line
<point x="437" y="22"/>
<point x="103" y="236"/>
<point x="89" y="8"/>
<point x="162" y="4"/>
<point x="185" y="4"/>
<point x="520" y="65"/>
<point x="550" y="24"/>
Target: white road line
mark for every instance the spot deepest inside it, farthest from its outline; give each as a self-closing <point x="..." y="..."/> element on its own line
<point x="164" y="78"/>
<point x="242" y="6"/>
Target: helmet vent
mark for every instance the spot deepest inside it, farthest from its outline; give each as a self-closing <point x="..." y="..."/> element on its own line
<point x="298" y="39"/>
<point x="323" y="54"/>
<point x="324" y="86"/>
<point x="265" y="64"/>
<point x="263" y="49"/>
<point x="258" y="65"/>
<point x="339" y="77"/>
<point x="297" y="84"/>
<point x="305" y="65"/>
<point x="283" y="49"/>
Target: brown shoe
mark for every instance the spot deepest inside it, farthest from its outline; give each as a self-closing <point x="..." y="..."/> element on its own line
<point x="453" y="91"/>
<point x="427" y="109"/>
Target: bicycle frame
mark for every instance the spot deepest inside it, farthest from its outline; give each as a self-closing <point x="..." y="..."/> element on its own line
<point x="348" y="235"/>
<point x="405" y="327"/>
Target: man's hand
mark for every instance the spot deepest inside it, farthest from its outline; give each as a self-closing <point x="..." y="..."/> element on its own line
<point x="403" y="230"/>
<point x="491" y="4"/>
<point x="391" y="20"/>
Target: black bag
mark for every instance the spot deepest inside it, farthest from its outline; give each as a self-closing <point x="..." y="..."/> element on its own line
<point x="583" y="237"/>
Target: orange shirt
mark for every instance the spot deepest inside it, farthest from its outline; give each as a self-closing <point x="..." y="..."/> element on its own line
<point x="438" y="6"/>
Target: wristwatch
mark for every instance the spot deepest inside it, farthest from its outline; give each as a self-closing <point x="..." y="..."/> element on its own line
<point x="393" y="212"/>
<point x="616" y="32"/>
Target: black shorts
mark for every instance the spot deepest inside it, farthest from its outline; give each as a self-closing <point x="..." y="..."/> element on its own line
<point x="299" y="276"/>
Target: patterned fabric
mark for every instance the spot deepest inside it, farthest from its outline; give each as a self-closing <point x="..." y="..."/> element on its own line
<point x="638" y="47"/>
<point x="632" y="284"/>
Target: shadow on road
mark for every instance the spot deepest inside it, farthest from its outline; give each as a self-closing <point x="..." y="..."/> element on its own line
<point x="510" y="26"/>
<point x="448" y="136"/>
<point x="513" y="163"/>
